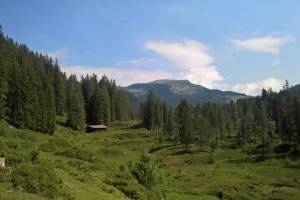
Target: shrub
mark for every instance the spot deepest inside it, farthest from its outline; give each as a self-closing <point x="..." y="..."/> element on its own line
<point x="15" y="151"/>
<point x="147" y="172"/>
<point x="4" y="174"/>
<point x="39" y="178"/>
<point x="125" y="182"/>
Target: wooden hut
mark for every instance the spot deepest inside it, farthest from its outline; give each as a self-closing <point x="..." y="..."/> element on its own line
<point x="96" y="127"/>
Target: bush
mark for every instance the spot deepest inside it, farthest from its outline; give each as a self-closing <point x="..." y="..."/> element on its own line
<point x="4" y="174"/>
<point x="39" y="178"/>
<point x="147" y="172"/>
<point x="125" y="182"/>
<point x="15" y="151"/>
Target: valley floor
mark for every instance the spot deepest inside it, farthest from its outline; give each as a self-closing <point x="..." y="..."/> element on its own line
<point x="91" y="172"/>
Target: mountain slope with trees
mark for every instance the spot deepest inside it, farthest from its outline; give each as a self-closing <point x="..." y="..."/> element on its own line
<point x="33" y="90"/>
<point x="266" y="124"/>
<point x="173" y="91"/>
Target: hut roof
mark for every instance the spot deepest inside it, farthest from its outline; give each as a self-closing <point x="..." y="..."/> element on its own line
<point x="97" y="126"/>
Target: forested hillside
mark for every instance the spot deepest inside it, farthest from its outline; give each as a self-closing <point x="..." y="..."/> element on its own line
<point x="33" y="90"/>
<point x="173" y="91"/>
<point x="266" y="124"/>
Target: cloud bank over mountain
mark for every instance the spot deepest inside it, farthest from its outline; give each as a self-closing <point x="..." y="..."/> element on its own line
<point x="190" y="60"/>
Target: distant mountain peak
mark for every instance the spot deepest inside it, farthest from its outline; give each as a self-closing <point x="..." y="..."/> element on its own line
<point x="170" y="81"/>
<point x="173" y="91"/>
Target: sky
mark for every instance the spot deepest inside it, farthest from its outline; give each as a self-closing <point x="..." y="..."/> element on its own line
<point x="236" y="45"/>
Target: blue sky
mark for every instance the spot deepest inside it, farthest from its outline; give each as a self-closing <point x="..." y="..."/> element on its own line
<point x="230" y="45"/>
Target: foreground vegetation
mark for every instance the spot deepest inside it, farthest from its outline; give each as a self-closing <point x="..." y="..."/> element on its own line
<point x="106" y="165"/>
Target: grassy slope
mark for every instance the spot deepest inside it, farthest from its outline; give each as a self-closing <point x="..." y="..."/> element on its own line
<point x="189" y="176"/>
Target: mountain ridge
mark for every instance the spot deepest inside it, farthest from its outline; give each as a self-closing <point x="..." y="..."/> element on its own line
<point x="173" y="91"/>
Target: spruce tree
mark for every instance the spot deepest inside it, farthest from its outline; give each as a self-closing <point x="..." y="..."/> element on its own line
<point x="149" y="111"/>
<point x="267" y="129"/>
<point x="185" y="124"/>
<point x="89" y="84"/>
<point x="59" y="89"/>
<point x="75" y="104"/>
<point x="113" y="98"/>
<point x="3" y="78"/>
<point x="94" y="108"/>
<point x="105" y="105"/>
<point x="3" y="91"/>
<point x="122" y="106"/>
<point x="164" y="117"/>
<point x="18" y="95"/>
<point x="49" y="109"/>
<point x="170" y="124"/>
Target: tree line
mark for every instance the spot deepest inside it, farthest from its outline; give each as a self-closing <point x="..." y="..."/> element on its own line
<point x="33" y="90"/>
<point x="259" y="123"/>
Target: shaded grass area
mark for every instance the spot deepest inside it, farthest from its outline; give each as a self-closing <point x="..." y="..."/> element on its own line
<point x="94" y="166"/>
<point x="231" y="175"/>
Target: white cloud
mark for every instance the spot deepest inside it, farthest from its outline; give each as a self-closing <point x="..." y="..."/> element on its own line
<point x="191" y="57"/>
<point x="255" y="88"/>
<point x="123" y="77"/>
<point x="59" y="54"/>
<point x="267" y="44"/>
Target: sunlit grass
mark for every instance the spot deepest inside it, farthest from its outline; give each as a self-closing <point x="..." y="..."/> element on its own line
<point x="227" y="173"/>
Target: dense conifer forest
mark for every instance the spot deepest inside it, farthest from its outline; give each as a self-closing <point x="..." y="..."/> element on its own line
<point x="265" y="123"/>
<point x="33" y="90"/>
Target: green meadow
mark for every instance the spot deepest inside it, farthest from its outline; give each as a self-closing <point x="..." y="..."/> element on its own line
<point x="96" y="166"/>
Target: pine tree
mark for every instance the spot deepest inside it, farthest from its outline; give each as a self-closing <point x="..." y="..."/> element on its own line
<point x="49" y="109"/>
<point x="105" y="105"/>
<point x="3" y="91"/>
<point x="75" y="104"/>
<point x="170" y="127"/>
<point x="94" y="108"/>
<point x="99" y="107"/>
<point x="59" y="89"/>
<point x="18" y="95"/>
<point x="158" y="114"/>
<point x="164" y="117"/>
<point x="3" y="77"/>
<point x="185" y="124"/>
<point x="113" y="97"/>
<point x="149" y="111"/>
<point x="267" y="128"/>
<point x="122" y="106"/>
<point x="89" y="84"/>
